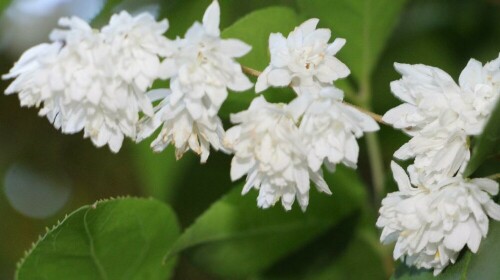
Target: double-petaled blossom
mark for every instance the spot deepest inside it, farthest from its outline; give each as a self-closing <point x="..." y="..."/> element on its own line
<point x="303" y="60"/>
<point x="329" y="129"/>
<point x="267" y="146"/>
<point x="437" y="155"/>
<point x="201" y="70"/>
<point x="93" y="81"/>
<point x="282" y="148"/>
<point x="440" y="114"/>
<point x="432" y="223"/>
<point x="432" y="99"/>
<point x="481" y="87"/>
<point x="179" y="128"/>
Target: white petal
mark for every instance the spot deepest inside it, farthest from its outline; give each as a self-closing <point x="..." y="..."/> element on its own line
<point x="457" y="239"/>
<point x="262" y="83"/>
<point x="309" y="25"/>
<point x="211" y="19"/>
<point x="334" y="47"/>
<point x="240" y="167"/>
<point x="279" y="77"/>
<point x="234" y="47"/>
<point x="401" y="177"/>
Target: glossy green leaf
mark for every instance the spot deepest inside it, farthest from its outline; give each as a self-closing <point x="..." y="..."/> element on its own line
<point x="234" y="238"/>
<point x="483" y="265"/>
<point x="365" y="24"/>
<point x="124" y="238"/>
<point x="487" y="144"/>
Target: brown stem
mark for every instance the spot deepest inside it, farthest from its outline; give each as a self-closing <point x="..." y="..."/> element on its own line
<point x="376" y="117"/>
<point x="250" y="71"/>
<point x="494" y="176"/>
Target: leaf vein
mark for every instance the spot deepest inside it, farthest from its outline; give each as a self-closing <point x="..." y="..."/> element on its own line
<point x="95" y="260"/>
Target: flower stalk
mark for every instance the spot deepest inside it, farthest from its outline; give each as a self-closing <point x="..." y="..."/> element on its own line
<point x="378" y="118"/>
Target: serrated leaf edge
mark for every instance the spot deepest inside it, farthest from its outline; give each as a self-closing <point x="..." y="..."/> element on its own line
<point x="49" y="229"/>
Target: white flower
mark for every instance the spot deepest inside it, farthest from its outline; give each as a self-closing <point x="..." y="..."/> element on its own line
<point x="329" y="130"/>
<point x="81" y="83"/>
<point x="432" y="224"/>
<point x="179" y="128"/>
<point x="438" y="155"/>
<point x="432" y="99"/>
<point x="201" y="68"/>
<point x="137" y="43"/>
<point x="304" y="59"/>
<point x="267" y="147"/>
<point x="481" y="86"/>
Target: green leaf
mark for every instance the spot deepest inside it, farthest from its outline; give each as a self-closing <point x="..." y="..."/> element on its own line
<point x="338" y="253"/>
<point x="254" y="29"/>
<point x="160" y="174"/>
<point x="235" y="239"/>
<point x="483" y="265"/>
<point x="4" y="4"/>
<point x="103" y="17"/>
<point x="360" y="253"/>
<point x="192" y="10"/>
<point x="123" y="238"/>
<point x="487" y="144"/>
<point x="365" y="24"/>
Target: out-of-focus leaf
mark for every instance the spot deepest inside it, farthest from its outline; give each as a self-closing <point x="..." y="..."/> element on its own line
<point x="103" y="17"/>
<point x="115" y="239"/>
<point x="254" y="29"/>
<point x="234" y="238"/>
<point x="487" y="144"/>
<point x="159" y="173"/>
<point x="338" y="253"/>
<point x="4" y="4"/>
<point x="193" y="10"/>
<point x="483" y="265"/>
<point x="365" y="24"/>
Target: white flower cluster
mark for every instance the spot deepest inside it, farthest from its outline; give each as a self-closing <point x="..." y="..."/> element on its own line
<point x="431" y="224"/>
<point x="436" y="211"/>
<point x="93" y="80"/>
<point x="201" y="69"/>
<point x="440" y="115"/>
<point x="97" y="81"/>
<point x="282" y="147"/>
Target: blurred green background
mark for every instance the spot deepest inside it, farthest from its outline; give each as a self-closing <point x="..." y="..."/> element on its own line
<point x="45" y="174"/>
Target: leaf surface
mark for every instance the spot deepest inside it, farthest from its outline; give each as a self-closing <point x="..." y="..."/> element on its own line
<point x="122" y="238"/>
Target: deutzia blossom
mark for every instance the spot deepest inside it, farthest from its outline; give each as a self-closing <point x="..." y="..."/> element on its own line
<point x="440" y="115"/>
<point x="329" y="130"/>
<point x="179" y="128"/>
<point x="268" y="148"/>
<point x="438" y="155"/>
<point x="432" y="224"/>
<point x="481" y="86"/>
<point x="136" y="45"/>
<point x="202" y="68"/>
<point x="432" y="101"/>
<point x="304" y="59"/>
<point x="81" y="81"/>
